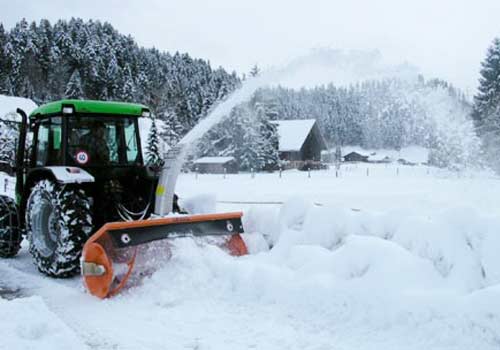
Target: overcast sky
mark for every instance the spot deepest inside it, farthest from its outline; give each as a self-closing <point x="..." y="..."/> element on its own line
<point x="444" y="38"/>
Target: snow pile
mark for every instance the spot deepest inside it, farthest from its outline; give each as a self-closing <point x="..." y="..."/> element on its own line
<point x="453" y="248"/>
<point x="28" y="324"/>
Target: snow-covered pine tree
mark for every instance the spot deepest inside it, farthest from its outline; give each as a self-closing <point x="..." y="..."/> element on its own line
<point x="3" y="60"/>
<point x="8" y="136"/>
<point x="268" y="139"/>
<point x="74" y="87"/>
<point x="153" y="156"/>
<point x="128" y="88"/>
<point x="487" y="100"/>
<point x="486" y="110"/>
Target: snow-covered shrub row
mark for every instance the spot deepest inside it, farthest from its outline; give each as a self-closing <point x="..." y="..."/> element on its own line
<point x="455" y="247"/>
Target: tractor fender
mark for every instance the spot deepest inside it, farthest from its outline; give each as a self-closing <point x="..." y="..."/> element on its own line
<point x="70" y="174"/>
<point x="60" y="174"/>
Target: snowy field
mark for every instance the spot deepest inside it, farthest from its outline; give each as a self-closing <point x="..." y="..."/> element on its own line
<point x="380" y="257"/>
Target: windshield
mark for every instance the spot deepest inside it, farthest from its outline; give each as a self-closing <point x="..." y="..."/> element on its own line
<point x="102" y="140"/>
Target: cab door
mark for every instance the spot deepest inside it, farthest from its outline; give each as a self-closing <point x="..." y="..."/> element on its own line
<point x="48" y="142"/>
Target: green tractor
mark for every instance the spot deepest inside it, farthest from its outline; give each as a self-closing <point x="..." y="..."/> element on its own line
<point x="85" y="168"/>
<point x="86" y="201"/>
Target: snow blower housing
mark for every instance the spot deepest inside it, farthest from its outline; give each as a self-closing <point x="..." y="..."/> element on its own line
<point x="85" y="170"/>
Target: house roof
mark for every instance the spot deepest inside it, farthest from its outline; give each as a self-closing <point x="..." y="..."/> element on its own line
<point x="213" y="160"/>
<point x="353" y="154"/>
<point x="293" y="133"/>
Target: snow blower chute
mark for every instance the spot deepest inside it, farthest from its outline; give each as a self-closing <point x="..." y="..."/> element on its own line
<point x="86" y="171"/>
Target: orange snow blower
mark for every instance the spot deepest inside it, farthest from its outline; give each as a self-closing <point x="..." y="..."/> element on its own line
<point x="110" y="254"/>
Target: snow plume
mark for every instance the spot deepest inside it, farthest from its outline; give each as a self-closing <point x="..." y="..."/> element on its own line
<point x="333" y="66"/>
<point x="455" y="144"/>
<point x="442" y="122"/>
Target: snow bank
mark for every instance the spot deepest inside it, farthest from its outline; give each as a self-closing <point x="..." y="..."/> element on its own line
<point x="27" y="323"/>
<point x="452" y="248"/>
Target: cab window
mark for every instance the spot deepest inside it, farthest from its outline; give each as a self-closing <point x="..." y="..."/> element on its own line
<point x="102" y="141"/>
<point x="48" y="145"/>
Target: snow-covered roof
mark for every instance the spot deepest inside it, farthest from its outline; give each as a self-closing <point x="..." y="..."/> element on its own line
<point x="9" y="104"/>
<point x="293" y="133"/>
<point x="213" y="160"/>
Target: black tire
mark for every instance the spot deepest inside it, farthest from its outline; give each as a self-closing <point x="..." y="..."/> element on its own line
<point x="58" y="222"/>
<point x="10" y="232"/>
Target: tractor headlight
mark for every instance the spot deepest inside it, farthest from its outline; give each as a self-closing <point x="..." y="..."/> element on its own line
<point x="146" y="114"/>
<point x="68" y="110"/>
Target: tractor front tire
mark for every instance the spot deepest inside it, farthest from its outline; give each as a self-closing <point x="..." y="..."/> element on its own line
<point x="10" y="232"/>
<point x="58" y="223"/>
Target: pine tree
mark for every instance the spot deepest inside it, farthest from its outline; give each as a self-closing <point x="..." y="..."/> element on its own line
<point x="74" y="87"/>
<point x="128" y="88"/>
<point x="153" y="156"/>
<point x="487" y="101"/>
<point x="486" y="111"/>
<point x="3" y="60"/>
<point x="268" y="137"/>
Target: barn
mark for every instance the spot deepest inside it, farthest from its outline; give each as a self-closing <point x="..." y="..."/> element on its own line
<point x="300" y="141"/>
<point x="216" y="165"/>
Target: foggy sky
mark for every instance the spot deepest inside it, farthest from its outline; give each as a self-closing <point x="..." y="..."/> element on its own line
<point x="444" y="38"/>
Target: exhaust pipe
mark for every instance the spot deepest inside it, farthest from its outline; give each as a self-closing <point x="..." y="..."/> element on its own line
<point x="21" y="145"/>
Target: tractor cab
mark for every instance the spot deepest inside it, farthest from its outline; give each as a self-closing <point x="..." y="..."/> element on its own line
<point x="87" y="134"/>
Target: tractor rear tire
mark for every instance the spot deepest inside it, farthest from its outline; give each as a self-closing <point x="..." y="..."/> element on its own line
<point x="58" y="223"/>
<point x="10" y="232"/>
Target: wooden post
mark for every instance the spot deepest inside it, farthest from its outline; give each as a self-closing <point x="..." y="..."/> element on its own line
<point x="196" y="173"/>
<point x="6" y="183"/>
<point x="225" y="171"/>
<point x="367" y="171"/>
<point x="252" y="172"/>
<point x="309" y="172"/>
<point x="280" y="172"/>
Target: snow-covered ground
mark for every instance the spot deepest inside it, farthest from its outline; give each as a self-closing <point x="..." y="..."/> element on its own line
<point x="381" y="257"/>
